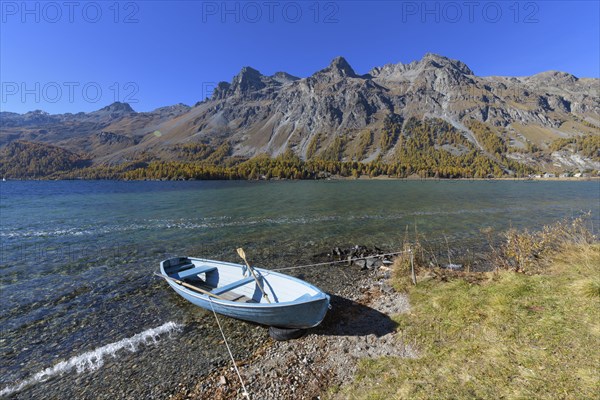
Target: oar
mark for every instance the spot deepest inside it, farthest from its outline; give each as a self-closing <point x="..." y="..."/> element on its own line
<point x="242" y="254"/>
<point x="187" y="285"/>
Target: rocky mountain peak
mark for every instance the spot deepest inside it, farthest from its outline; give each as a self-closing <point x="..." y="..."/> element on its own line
<point x="429" y="67"/>
<point x="339" y="68"/>
<point x="174" y="110"/>
<point x="118" y="107"/>
<point x="248" y="73"/>
<point x="29" y="118"/>
<point x="37" y="112"/>
<point x="112" y="111"/>
<point x="283" y="77"/>
<point x="221" y="91"/>
<point x="437" y="61"/>
<point x="554" y="76"/>
<point x="248" y="80"/>
<point x="246" y="83"/>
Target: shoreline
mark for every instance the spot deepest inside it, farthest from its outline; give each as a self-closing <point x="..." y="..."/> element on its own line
<point x="359" y="326"/>
<point x="504" y="179"/>
<point x="333" y="178"/>
<point x="367" y="327"/>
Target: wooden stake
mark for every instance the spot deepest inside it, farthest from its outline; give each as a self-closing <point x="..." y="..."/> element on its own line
<point x="412" y="267"/>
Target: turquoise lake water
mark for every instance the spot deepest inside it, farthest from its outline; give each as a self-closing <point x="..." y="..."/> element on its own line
<point x="77" y="259"/>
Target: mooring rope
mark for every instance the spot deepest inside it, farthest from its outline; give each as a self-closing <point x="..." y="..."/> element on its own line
<point x="341" y="261"/>
<point x="237" y="371"/>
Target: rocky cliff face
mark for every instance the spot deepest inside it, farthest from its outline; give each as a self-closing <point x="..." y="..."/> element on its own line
<point x="260" y="114"/>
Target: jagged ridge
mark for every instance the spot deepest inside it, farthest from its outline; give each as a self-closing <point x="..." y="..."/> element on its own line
<point x="259" y="114"/>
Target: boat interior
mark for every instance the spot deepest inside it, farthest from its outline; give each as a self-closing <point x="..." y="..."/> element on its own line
<point x="202" y="276"/>
<point x="228" y="281"/>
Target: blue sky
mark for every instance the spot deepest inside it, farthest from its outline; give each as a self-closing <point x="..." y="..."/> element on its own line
<point x="68" y="58"/>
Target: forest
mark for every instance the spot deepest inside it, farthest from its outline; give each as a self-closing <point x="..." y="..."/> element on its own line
<point x="429" y="148"/>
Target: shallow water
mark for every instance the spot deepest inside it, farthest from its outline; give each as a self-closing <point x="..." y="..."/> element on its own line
<point x="83" y="317"/>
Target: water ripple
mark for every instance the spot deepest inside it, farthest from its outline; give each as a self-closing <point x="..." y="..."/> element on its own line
<point x="227" y="222"/>
<point x="92" y="360"/>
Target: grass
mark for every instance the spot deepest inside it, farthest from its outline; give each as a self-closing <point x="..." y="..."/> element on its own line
<point x="538" y="135"/>
<point x="504" y="335"/>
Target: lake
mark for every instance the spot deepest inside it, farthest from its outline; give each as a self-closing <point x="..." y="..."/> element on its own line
<point x="83" y="316"/>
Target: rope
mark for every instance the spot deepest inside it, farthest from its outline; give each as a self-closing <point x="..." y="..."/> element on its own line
<point x="342" y="261"/>
<point x="237" y="371"/>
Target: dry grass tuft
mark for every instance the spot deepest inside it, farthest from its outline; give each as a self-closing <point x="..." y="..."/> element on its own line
<point x="526" y="251"/>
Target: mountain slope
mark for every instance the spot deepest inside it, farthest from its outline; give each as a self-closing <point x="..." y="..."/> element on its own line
<point x="339" y="114"/>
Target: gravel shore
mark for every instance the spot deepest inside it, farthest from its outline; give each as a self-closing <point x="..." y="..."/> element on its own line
<point x="358" y="326"/>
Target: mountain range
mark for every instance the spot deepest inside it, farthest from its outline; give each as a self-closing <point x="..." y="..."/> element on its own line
<point x="549" y="121"/>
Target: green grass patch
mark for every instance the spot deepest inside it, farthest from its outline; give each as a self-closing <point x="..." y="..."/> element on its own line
<point x="505" y="335"/>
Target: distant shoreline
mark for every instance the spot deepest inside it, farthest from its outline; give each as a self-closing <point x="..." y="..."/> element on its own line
<point x="332" y="178"/>
<point x="587" y="178"/>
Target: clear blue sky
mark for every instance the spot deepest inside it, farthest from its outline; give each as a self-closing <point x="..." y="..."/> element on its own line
<point x="62" y="58"/>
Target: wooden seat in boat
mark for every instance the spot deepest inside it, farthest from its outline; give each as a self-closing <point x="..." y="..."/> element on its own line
<point x="233" y="285"/>
<point x="193" y="272"/>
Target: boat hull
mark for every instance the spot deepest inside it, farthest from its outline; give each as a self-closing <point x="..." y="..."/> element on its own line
<point x="303" y="315"/>
<point x="305" y="312"/>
